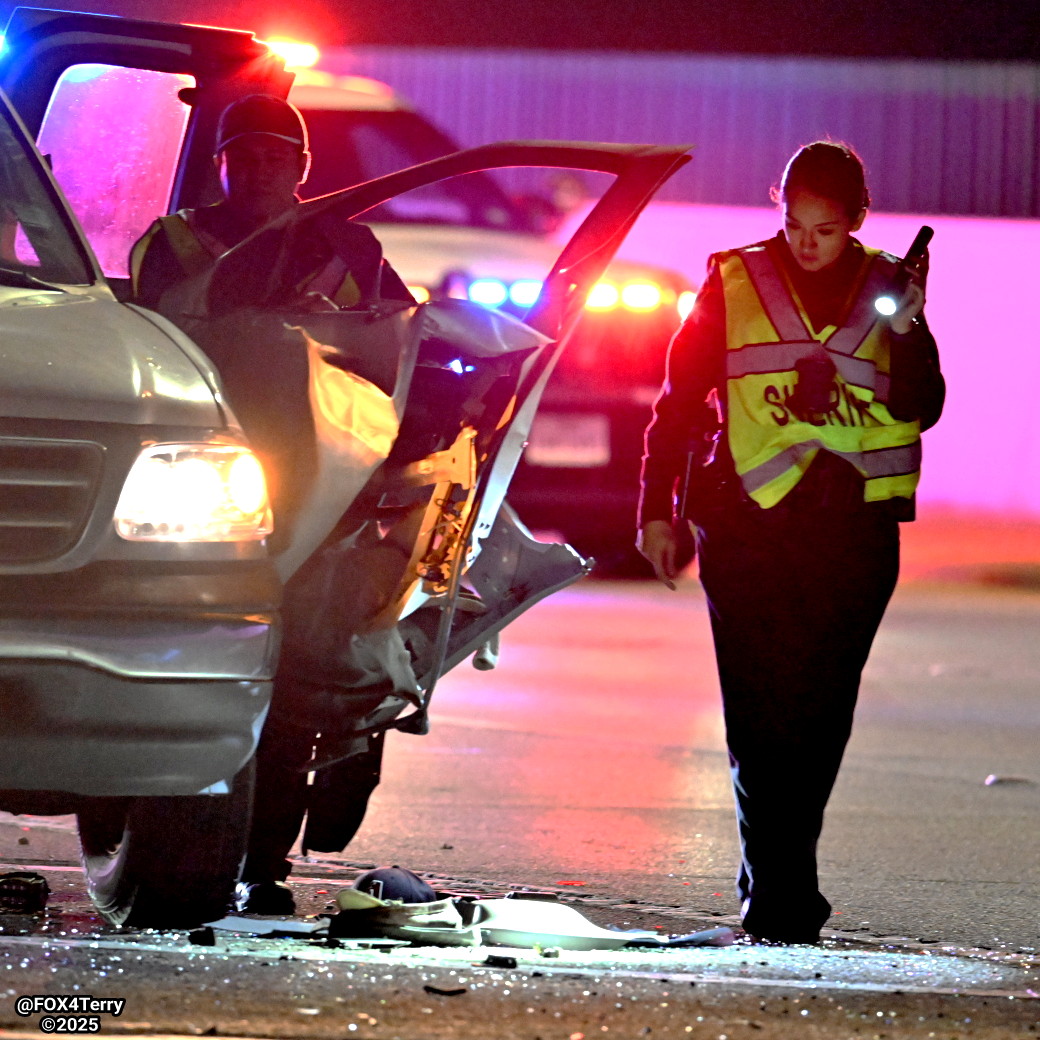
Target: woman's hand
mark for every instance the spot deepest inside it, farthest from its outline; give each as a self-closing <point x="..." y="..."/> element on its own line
<point x="912" y="302"/>
<point x="657" y="542"/>
<point x="909" y="307"/>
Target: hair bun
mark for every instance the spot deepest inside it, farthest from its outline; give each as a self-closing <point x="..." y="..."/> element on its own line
<point x="831" y="169"/>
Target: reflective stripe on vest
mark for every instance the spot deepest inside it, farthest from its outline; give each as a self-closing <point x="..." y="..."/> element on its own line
<point x="772" y="440"/>
<point x="791" y="326"/>
<point x="334" y="281"/>
<point x="875" y="465"/>
<point x="194" y="248"/>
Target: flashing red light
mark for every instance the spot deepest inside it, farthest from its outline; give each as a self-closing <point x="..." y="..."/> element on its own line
<point x="295" y="53"/>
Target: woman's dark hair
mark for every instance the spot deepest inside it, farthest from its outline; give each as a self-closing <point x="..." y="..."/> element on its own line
<point x="830" y="169"/>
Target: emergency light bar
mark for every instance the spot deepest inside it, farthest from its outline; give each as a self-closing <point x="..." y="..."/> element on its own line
<point x="295" y="53"/>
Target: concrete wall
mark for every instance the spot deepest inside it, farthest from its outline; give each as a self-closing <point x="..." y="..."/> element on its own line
<point x="937" y="137"/>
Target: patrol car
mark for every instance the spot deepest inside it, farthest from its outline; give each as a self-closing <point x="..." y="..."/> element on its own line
<point x="470" y="238"/>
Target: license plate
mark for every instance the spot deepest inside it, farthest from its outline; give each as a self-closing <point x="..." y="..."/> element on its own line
<point x="575" y="440"/>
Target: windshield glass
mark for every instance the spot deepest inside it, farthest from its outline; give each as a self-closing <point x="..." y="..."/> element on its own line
<point x="36" y="240"/>
<point x="349" y="147"/>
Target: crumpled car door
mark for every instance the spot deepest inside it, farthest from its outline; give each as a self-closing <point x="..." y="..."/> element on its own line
<point x="472" y="567"/>
<point x="253" y="275"/>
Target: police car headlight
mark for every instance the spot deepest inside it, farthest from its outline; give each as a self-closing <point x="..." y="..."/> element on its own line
<point x="194" y="493"/>
<point x="603" y="296"/>
<point x="641" y="296"/>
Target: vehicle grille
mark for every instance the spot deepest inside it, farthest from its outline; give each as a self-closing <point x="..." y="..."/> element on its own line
<point x="47" y="488"/>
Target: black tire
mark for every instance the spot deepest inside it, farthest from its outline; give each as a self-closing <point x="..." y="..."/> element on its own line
<point x="169" y="862"/>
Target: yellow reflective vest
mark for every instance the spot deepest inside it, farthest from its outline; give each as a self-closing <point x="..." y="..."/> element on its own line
<point x="195" y="249"/>
<point x="769" y="339"/>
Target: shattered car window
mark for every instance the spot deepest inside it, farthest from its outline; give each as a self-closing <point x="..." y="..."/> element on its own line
<point x="114" y="136"/>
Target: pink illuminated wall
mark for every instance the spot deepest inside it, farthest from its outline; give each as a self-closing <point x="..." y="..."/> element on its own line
<point x="983" y="296"/>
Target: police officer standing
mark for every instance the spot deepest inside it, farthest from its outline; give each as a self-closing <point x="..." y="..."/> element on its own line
<point x="788" y="432"/>
<point x="262" y="158"/>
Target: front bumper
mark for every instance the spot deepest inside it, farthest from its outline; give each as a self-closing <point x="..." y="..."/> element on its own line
<point x="148" y="698"/>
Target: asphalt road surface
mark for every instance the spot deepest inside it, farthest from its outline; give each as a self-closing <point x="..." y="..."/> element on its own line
<point x="593" y="760"/>
<point x="591" y="764"/>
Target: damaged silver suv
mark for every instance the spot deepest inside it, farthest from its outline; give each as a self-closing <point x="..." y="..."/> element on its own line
<point x="141" y="631"/>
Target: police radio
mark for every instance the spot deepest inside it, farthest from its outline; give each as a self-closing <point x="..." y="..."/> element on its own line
<point x="889" y="303"/>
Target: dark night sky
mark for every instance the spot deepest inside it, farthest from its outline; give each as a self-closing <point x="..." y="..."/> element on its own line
<point x="992" y="30"/>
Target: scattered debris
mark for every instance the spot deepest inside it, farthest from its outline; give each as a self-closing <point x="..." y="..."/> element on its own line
<point x="23" y="892"/>
<point x="993" y="779"/>
<point x="273" y="926"/>
<point x="437" y="991"/>
<point x="395" y="903"/>
<point x="530" y="920"/>
<point x="495" y="960"/>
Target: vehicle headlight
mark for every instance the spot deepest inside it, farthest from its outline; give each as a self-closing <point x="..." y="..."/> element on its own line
<point x="194" y="493"/>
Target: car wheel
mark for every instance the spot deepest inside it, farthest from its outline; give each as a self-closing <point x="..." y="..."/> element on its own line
<point x="166" y="862"/>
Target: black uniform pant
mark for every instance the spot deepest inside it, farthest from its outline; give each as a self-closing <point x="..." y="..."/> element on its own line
<point x="334" y="803"/>
<point x="795" y="598"/>
<point x="279" y="800"/>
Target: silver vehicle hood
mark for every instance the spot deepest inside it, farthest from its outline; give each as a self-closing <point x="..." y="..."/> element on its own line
<point x="85" y="356"/>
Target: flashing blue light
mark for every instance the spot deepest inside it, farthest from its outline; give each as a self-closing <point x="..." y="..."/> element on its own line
<point x="489" y="292"/>
<point x="524" y="291"/>
<point x="458" y="367"/>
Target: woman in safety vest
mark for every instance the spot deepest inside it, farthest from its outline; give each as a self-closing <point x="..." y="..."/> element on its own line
<point x="788" y="432"/>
